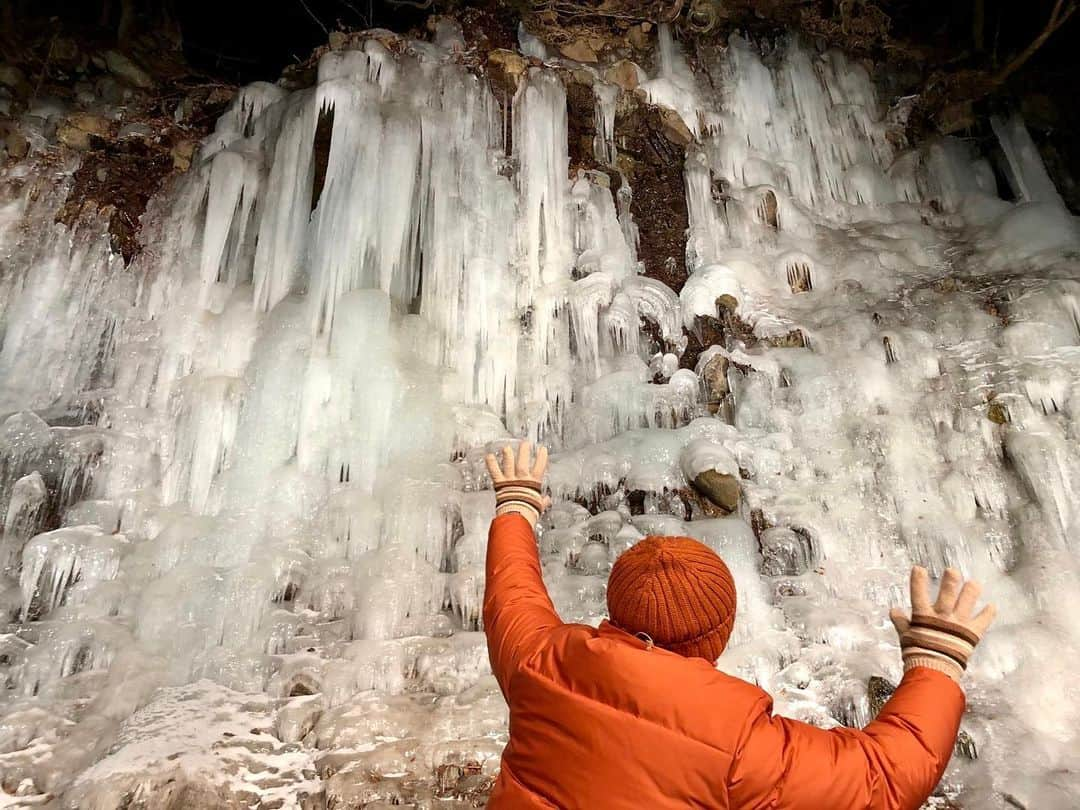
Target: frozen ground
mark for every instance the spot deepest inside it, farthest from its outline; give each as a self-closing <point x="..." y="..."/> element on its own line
<point x="257" y="452"/>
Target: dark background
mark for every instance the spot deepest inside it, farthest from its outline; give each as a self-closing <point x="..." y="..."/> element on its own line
<point x="954" y="56"/>
<point x="244" y="40"/>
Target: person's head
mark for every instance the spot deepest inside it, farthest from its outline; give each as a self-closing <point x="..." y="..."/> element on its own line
<point x="678" y="592"/>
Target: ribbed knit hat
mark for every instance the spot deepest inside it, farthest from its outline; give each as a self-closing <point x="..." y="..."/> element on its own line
<point x="677" y="591"/>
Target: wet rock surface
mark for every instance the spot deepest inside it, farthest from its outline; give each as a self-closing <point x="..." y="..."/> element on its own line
<point x="132" y="113"/>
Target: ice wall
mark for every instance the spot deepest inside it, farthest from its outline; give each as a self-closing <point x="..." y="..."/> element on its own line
<point x="245" y="503"/>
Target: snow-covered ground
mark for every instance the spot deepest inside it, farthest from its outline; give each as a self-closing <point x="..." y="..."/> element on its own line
<point x="263" y="441"/>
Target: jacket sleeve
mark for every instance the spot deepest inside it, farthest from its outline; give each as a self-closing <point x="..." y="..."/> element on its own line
<point x="892" y="764"/>
<point x="517" y="609"/>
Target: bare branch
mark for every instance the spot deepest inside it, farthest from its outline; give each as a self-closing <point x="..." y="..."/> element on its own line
<point x="1056" y="11"/>
<point x="315" y="18"/>
<point x="1057" y="19"/>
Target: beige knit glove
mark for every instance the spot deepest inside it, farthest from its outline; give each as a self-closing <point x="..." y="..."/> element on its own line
<point x="518" y="482"/>
<point x="941" y="635"/>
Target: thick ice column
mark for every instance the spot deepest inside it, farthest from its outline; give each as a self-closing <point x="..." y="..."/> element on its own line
<point x="1027" y="174"/>
<point x="285" y="206"/>
<point x="60" y="295"/>
<point x="540" y="148"/>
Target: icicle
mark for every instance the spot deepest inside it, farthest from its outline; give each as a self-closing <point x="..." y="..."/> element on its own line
<point x="53" y="561"/>
<point x="604" y="149"/>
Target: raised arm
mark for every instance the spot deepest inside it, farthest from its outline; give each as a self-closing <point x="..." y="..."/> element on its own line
<point x="895" y="762"/>
<point x="517" y="609"/>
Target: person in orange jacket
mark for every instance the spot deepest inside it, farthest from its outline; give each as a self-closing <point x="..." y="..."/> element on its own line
<point x="634" y="714"/>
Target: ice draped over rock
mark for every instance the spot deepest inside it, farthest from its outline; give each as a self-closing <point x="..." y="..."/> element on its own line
<point x="242" y="480"/>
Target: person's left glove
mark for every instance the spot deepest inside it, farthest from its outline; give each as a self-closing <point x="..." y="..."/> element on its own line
<point x="518" y="481"/>
<point x="941" y="635"/>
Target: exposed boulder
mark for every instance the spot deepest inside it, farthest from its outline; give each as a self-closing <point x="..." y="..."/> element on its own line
<point x="625" y="74"/>
<point x="639" y="36"/>
<point x="182" y="153"/>
<point x="714" y="375"/>
<point x="674" y="128"/>
<point x="14" y="140"/>
<point x="505" y="68"/>
<point x="121" y="66"/>
<point x="580" y="50"/>
<point x="77" y="130"/>
<point x="720" y="488"/>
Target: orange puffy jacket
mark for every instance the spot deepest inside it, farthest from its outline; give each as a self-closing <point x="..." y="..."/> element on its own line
<point x="599" y="720"/>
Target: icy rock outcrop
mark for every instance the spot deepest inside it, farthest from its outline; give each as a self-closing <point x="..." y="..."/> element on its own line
<point x="244" y="498"/>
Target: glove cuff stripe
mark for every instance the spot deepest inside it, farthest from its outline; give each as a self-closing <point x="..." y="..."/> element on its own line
<point x="527" y="495"/>
<point x="517" y="482"/>
<point x="921" y="636"/>
<point x="921" y="646"/>
<point x="945" y="626"/>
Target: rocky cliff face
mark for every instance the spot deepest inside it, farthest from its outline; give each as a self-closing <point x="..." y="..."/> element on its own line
<point x="251" y="363"/>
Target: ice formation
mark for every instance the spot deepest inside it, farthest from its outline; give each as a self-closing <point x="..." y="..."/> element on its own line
<point x="242" y="480"/>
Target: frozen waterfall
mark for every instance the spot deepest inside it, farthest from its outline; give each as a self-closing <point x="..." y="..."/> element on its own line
<point x="241" y="482"/>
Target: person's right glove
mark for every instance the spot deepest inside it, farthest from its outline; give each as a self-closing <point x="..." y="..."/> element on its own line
<point x="518" y="482"/>
<point x="941" y="635"/>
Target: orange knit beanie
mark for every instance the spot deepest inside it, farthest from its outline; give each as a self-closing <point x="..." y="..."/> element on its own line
<point x="678" y="592"/>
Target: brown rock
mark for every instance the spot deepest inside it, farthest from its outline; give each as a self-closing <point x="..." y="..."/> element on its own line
<point x="720" y="488"/>
<point x="76" y="130"/>
<point x="639" y="36"/>
<point x="122" y="67"/>
<point x="506" y="68"/>
<point x="768" y="210"/>
<point x="799" y="277"/>
<point x="182" y="152"/>
<point x="674" y="128"/>
<point x="338" y="40"/>
<point x="878" y="692"/>
<point x="714" y="375"/>
<point x="583" y="77"/>
<point x="13" y="140"/>
<point x="795" y="339"/>
<point x="997" y="413"/>
<point x="17" y="145"/>
<point x="88" y="122"/>
<point x="727" y="302"/>
<point x="579" y="50"/>
<point x="625" y="74"/>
